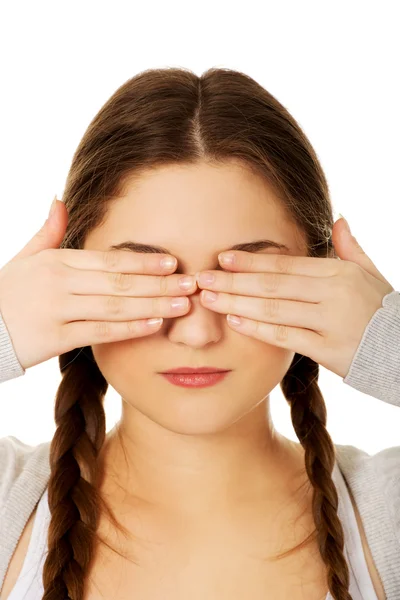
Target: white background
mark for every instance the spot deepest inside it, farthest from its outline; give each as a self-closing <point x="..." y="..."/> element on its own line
<point x="334" y="65"/>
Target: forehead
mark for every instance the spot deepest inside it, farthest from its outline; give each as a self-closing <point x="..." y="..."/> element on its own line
<point x="196" y="208"/>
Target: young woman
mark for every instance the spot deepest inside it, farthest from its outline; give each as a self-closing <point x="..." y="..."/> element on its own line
<point x="194" y="494"/>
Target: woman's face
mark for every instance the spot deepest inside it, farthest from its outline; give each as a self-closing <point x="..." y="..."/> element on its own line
<point x="195" y="211"/>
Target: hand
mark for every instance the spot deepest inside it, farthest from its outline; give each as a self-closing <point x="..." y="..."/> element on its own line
<point x="54" y="300"/>
<point x="318" y="307"/>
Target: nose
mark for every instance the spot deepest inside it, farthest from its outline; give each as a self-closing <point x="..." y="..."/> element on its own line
<point x="199" y="327"/>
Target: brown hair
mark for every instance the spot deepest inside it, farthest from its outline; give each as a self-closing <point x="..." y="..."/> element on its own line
<point x="161" y="117"/>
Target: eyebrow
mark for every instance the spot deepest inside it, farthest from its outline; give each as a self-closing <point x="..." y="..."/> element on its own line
<point x="254" y="246"/>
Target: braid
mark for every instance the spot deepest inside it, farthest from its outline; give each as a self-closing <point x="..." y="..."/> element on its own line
<point x="308" y="412"/>
<point x="74" y="500"/>
<point x="72" y="494"/>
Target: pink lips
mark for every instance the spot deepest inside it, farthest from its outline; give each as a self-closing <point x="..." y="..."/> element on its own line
<point x="195" y="377"/>
<point x="196" y="380"/>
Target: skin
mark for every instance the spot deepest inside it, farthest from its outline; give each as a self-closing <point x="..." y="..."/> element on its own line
<point x="204" y="481"/>
<point x="204" y="484"/>
<point x="199" y="453"/>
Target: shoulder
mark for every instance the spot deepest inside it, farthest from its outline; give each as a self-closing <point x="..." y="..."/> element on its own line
<point x="24" y="474"/>
<point x="22" y="467"/>
<point x="374" y="485"/>
<point x="374" y="481"/>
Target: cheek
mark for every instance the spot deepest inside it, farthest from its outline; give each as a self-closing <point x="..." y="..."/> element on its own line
<point x="266" y="367"/>
<point x="260" y="356"/>
<point x="260" y="368"/>
<point x="122" y="361"/>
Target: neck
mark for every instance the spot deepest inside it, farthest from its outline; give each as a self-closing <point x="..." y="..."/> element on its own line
<point x="195" y="475"/>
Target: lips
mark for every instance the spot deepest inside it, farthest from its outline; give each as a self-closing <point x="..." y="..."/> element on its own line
<point x="195" y="380"/>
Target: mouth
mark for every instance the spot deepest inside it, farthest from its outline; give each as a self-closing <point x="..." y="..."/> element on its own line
<point x="195" y="379"/>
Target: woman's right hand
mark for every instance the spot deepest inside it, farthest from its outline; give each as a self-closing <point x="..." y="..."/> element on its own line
<point x="53" y="300"/>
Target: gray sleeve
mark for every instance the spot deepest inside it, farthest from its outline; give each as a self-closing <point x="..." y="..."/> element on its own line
<point x="375" y="369"/>
<point x="10" y="366"/>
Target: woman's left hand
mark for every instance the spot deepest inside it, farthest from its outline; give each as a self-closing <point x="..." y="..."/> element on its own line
<point x="318" y="307"/>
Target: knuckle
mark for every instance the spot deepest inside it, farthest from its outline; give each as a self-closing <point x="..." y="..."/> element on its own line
<point x="121" y="281"/>
<point x="349" y="277"/>
<point x="232" y="301"/>
<point x="257" y="327"/>
<point x="284" y="263"/>
<point x="156" y="306"/>
<point x="231" y="282"/>
<point x="163" y="285"/>
<point x="113" y="305"/>
<point x="281" y="333"/>
<point x="111" y="258"/>
<point x="321" y="317"/>
<point x="102" y="330"/>
<point x="48" y="254"/>
<point x="46" y="273"/>
<point x="146" y="263"/>
<point x="47" y="260"/>
<point x="269" y="282"/>
<point x="271" y="308"/>
<point x="52" y="273"/>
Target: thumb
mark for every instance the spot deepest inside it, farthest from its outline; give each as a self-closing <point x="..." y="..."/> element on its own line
<point x="51" y="234"/>
<point x="348" y="248"/>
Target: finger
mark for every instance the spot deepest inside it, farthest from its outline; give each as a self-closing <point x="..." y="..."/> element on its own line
<point x="271" y="285"/>
<point x="270" y="310"/>
<point x="295" y="339"/>
<point x="120" y="308"/>
<point x="114" y="261"/>
<point x="90" y="283"/>
<point x="282" y="263"/>
<point x="89" y="333"/>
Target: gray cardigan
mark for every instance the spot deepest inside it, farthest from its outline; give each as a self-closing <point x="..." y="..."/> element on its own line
<point x="374" y="480"/>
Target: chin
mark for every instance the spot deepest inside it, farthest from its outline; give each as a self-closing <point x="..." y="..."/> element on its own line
<point x="200" y="413"/>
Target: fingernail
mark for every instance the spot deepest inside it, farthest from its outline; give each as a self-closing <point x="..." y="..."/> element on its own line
<point x="226" y="259"/>
<point x="168" y="262"/>
<point x="345" y="222"/>
<point x="53" y="206"/>
<point x="154" y="322"/>
<point x="209" y="296"/>
<point x="206" y="278"/>
<point x="186" y="283"/>
<point x="180" y="303"/>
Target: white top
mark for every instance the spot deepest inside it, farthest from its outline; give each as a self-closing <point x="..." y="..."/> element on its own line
<point x="29" y="585"/>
